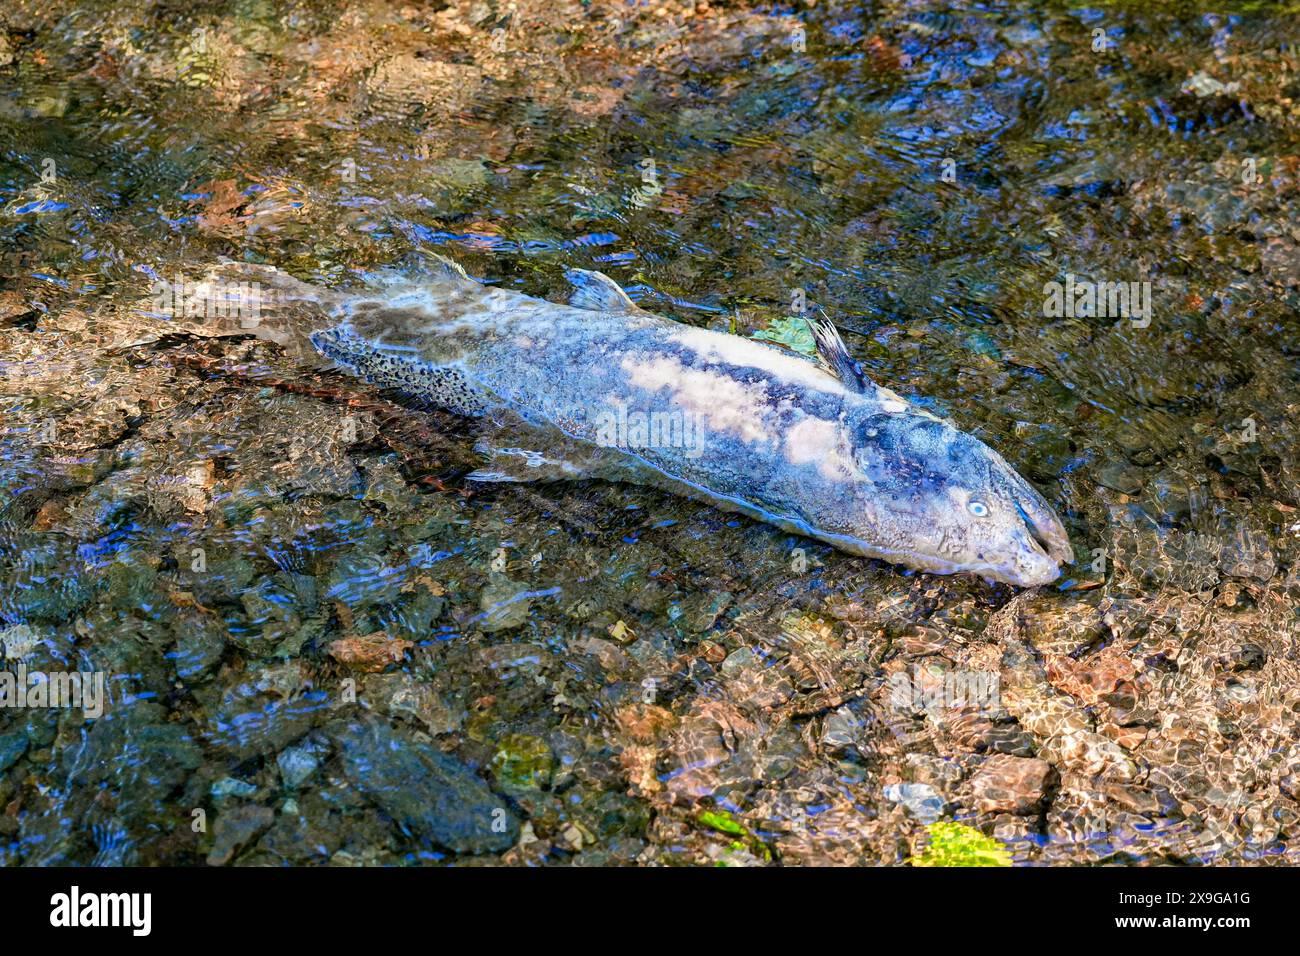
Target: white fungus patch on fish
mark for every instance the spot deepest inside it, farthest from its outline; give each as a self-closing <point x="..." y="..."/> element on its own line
<point x="822" y="442"/>
<point x="728" y="406"/>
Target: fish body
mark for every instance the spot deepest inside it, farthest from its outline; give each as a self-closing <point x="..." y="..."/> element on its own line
<point x="602" y="388"/>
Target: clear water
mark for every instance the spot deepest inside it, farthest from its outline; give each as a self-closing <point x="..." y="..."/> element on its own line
<point x="284" y="582"/>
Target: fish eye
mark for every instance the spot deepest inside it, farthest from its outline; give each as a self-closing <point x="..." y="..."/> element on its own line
<point x="978" y="508"/>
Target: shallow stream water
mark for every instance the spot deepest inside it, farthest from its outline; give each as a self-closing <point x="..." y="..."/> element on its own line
<point x="320" y="646"/>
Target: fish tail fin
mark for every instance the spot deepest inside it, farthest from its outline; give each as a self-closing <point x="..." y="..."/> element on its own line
<point x="244" y="298"/>
<point x="255" y="288"/>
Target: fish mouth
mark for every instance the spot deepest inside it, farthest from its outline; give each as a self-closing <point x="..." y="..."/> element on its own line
<point x="1026" y="563"/>
<point x="1043" y="543"/>
<point x="1029" y="565"/>
<point x="1043" y="528"/>
<point x="1032" y="567"/>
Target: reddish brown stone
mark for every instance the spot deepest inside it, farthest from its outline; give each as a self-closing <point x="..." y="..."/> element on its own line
<point x="1010" y="784"/>
<point x="373" y="652"/>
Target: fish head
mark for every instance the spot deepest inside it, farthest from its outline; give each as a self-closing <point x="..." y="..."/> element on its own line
<point x="949" y="503"/>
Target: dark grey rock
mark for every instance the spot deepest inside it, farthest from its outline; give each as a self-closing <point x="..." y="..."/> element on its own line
<point x="424" y="790"/>
<point x="236" y="829"/>
<point x="246" y="730"/>
<point x="200" y="642"/>
<point x="12" y="747"/>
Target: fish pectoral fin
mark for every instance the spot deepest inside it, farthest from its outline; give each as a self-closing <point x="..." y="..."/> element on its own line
<point x="524" y="464"/>
<point x="510" y="444"/>
<point x="834" y="357"/>
<point x="597" y="292"/>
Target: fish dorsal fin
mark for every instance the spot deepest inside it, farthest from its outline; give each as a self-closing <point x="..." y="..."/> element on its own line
<point x="834" y="357"/>
<point x="597" y="292"/>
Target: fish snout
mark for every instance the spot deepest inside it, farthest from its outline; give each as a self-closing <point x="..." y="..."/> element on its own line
<point x="1032" y="565"/>
<point x="1044" y="544"/>
<point x="1042" y="525"/>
